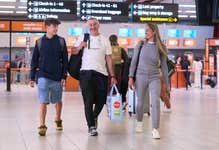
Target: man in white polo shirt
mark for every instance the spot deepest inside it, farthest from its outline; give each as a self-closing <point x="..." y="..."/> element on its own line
<point x="93" y="74"/>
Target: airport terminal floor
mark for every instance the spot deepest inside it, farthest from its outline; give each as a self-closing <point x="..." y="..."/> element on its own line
<point x="193" y="124"/>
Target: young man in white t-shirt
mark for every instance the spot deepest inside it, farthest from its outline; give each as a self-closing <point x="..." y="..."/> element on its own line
<point x="94" y="75"/>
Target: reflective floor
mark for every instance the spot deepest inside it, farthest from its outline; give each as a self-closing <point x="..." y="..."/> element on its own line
<point x="192" y="125"/>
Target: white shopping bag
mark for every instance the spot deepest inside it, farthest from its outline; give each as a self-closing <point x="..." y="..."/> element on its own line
<point x="114" y="105"/>
<point x="132" y="100"/>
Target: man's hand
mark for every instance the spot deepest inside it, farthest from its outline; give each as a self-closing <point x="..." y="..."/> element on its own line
<point x="32" y="83"/>
<point x="75" y="50"/>
<point x="63" y="82"/>
<point x="113" y="81"/>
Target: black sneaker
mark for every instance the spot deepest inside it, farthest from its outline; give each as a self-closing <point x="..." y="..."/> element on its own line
<point x="92" y="131"/>
<point x="96" y="123"/>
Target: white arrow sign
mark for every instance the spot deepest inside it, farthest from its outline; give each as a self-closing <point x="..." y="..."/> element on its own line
<point x="83" y="4"/>
<point x="30" y="3"/>
<point x="30" y="10"/>
<point x="30" y="16"/>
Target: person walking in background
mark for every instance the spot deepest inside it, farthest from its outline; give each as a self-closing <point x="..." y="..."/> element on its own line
<point x="93" y="75"/>
<point x="185" y="65"/>
<point x="152" y="57"/>
<point x="49" y="62"/>
<point x="121" y="67"/>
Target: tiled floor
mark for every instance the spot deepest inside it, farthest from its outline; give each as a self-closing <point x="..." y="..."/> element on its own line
<point x="192" y="125"/>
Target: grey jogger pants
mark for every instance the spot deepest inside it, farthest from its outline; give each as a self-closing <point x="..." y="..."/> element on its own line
<point x="151" y="86"/>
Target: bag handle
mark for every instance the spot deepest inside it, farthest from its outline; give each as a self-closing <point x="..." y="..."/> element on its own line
<point x="114" y="87"/>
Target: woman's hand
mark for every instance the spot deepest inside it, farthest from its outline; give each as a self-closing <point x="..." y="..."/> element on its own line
<point x="131" y="83"/>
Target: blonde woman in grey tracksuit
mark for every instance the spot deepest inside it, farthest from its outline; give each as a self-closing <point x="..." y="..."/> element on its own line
<point x="152" y="63"/>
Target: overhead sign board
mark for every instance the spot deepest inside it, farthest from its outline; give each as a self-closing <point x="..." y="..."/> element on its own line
<point x="27" y="26"/>
<point x="148" y="12"/>
<point x="104" y="11"/>
<point x="4" y="25"/>
<point x="60" y="9"/>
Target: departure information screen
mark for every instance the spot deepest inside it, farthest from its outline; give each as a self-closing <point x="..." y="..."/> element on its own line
<point x="104" y="11"/>
<point x="148" y="12"/>
<point x="60" y="9"/>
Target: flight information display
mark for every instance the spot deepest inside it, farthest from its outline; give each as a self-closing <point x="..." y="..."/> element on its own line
<point x="60" y="9"/>
<point x="149" y="12"/>
<point x="104" y="11"/>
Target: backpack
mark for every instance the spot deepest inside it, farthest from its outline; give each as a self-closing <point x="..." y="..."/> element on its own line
<point x="116" y="55"/>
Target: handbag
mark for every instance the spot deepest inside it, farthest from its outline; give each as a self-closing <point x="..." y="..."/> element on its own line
<point x="171" y="67"/>
<point x="75" y="61"/>
<point x="165" y="94"/>
<point x="114" y="105"/>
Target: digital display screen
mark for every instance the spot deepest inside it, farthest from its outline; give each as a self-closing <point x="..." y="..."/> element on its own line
<point x="125" y="32"/>
<point x="104" y="11"/>
<point x="190" y="33"/>
<point x="75" y="31"/>
<point x="174" y="33"/>
<point x="154" y="12"/>
<point x="60" y="9"/>
<point x="140" y="32"/>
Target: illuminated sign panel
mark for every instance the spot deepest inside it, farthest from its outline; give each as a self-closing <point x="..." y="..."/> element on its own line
<point x="172" y="42"/>
<point x="4" y="26"/>
<point x="60" y="9"/>
<point x="148" y="12"/>
<point x="174" y="33"/>
<point x="190" y="33"/>
<point x="25" y="26"/>
<point x="104" y="11"/>
<point x="189" y="42"/>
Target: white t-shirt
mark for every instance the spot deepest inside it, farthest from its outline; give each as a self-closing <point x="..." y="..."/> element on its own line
<point x="94" y="58"/>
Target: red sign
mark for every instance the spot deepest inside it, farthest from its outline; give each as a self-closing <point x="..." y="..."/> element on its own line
<point x="116" y="105"/>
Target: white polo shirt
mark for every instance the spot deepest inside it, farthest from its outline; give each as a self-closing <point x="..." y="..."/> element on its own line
<point x="94" y="57"/>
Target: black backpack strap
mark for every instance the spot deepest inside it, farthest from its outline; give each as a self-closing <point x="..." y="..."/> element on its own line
<point x="62" y="42"/>
<point x="139" y="53"/>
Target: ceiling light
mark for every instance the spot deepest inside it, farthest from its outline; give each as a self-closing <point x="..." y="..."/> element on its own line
<point x="6" y="12"/>
<point x="192" y="6"/>
<point x="7" y="0"/>
<point x="7" y="6"/>
<point x="21" y="12"/>
<point x="183" y="16"/>
<point x="22" y="7"/>
<point x="190" y="11"/>
<point x="192" y="16"/>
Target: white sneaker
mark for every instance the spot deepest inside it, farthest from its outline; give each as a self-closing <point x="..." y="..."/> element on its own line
<point x="155" y="134"/>
<point x="166" y="110"/>
<point x="139" y="126"/>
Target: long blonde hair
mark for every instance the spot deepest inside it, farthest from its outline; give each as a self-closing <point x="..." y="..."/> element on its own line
<point x="160" y="45"/>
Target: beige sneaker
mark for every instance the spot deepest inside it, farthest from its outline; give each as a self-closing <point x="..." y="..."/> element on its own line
<point x="59" y="125"/>
<point x="139" y="126"/>
<point x="155" y="134"/>
<point x="42" y="130"/>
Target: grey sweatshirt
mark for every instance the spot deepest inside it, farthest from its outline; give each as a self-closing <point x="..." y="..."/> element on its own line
<point x="150" y="62"/>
